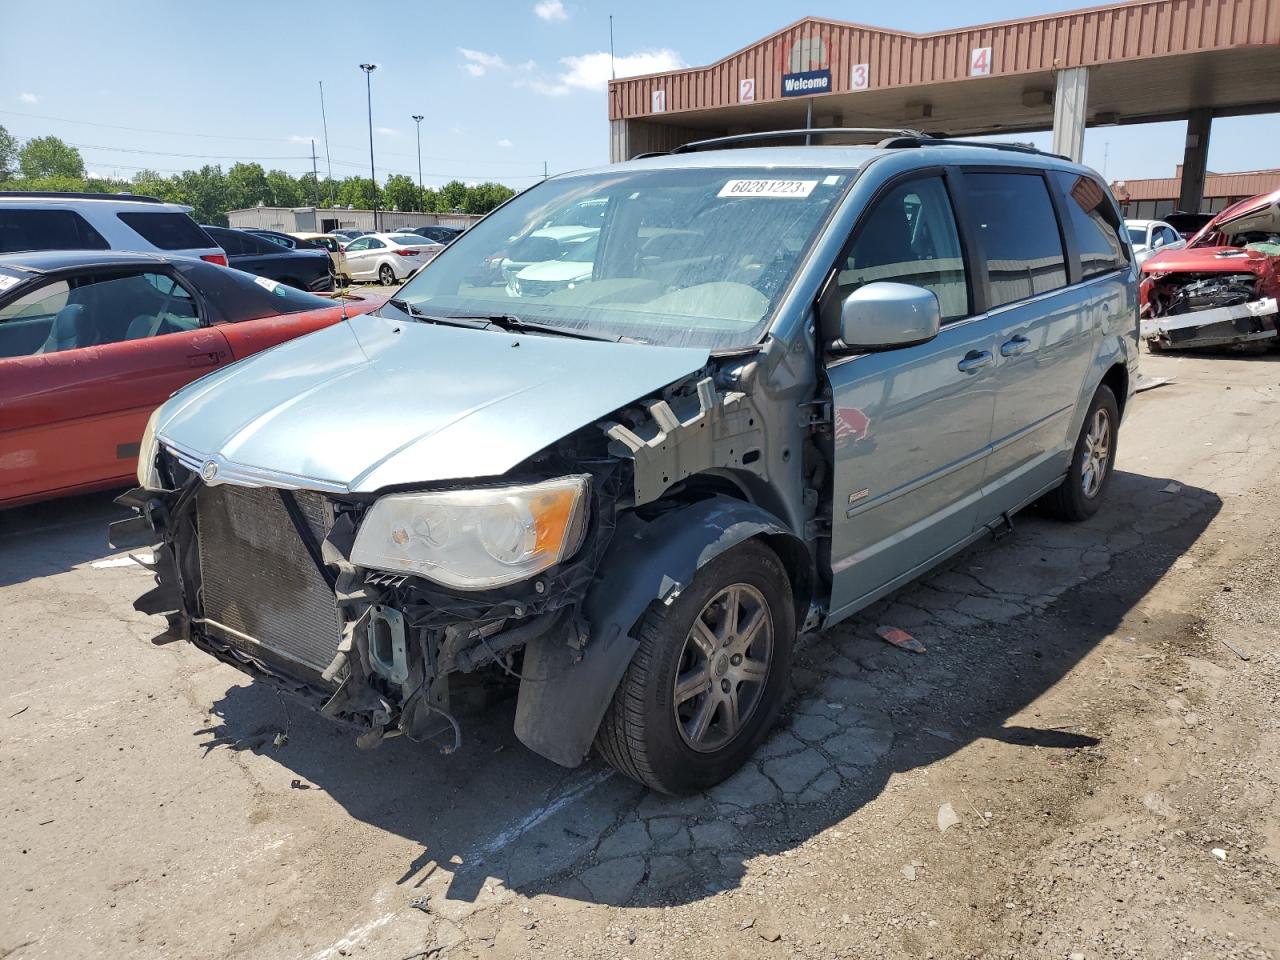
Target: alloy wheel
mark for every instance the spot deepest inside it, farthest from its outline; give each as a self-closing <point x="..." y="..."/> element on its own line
<point x="1096" y="455"/>
<point x="723" y="667"/>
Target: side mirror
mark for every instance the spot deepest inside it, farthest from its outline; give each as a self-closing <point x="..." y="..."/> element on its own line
<point x="883" y="315"/>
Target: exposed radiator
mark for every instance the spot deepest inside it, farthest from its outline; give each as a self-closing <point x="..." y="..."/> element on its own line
<point x="259" y="579"/>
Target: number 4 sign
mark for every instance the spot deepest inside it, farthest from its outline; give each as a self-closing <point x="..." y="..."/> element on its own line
<point x="747" y="90"/>
<point x="980" y="62"/>
<point x="860" y="77"/>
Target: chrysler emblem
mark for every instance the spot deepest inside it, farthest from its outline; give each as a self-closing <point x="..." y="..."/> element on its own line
<point x="209" y="472"/>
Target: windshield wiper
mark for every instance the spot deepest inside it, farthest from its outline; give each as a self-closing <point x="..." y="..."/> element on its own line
<point x="404" y="306"/>
<point x="511" y="323"/>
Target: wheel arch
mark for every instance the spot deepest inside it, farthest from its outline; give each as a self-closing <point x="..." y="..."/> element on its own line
<point x="566" y="693"/>
<point x="1117" y="380"/>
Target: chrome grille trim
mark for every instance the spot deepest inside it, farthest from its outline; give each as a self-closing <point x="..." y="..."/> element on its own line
<point x="241" y="475"/>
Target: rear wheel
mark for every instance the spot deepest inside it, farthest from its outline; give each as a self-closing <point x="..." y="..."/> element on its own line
<point x="1080" y="494"/>
<point x="386" y="276"/>
<point x="709" y="677"/>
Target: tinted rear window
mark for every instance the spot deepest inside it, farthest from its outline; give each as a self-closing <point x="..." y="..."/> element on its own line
<point x="47" y="230"/>
<point x="168" y="231"/>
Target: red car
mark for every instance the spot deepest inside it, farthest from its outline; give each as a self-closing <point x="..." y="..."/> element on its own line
<point x="91" y="342"/>
<point x="1222" y="289"/>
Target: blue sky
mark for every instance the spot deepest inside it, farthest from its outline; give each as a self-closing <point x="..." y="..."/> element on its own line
<point x="505" y="85"/>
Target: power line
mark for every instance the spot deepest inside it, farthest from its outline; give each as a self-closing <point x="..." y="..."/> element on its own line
<point x="189" y="156"/>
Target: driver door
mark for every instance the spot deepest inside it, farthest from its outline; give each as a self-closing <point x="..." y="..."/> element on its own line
<point x="912" y="426"/>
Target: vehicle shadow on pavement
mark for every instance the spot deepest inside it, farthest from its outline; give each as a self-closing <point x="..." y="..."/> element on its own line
<point x="56" y="535"/>
<point x="1002" y="623"/>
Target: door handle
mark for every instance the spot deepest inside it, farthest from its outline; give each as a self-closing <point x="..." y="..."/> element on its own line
<point x="1011" y="348"/>
<point x="974" y="361"/>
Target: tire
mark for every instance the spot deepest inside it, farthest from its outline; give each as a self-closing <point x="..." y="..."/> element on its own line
<point x="386" y="275"/>
<point x="651" y="735"/>
<point x="1081" y="493"/>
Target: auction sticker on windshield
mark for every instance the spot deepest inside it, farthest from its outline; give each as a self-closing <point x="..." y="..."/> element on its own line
<point x="266" y="282"/>
<point x="7" y="282"/>
<point x="780" y="189"/>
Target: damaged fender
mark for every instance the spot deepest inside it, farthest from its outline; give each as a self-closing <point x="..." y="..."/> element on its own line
<point x="565" y="691"/>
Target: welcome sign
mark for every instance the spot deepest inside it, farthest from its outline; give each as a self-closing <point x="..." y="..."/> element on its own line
<point x="806" y="84"/>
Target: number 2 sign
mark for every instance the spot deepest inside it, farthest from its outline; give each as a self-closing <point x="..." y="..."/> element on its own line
<point x="860" y="76"/>
<point x="747" y="90"/>
<point x="980" y="62"/>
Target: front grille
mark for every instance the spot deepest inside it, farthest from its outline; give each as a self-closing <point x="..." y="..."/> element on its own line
<point x="258" y="578"/>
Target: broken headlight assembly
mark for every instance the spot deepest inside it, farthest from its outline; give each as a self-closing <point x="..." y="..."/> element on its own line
<point x="475" y="539"/>
<point x="148" y="468"/>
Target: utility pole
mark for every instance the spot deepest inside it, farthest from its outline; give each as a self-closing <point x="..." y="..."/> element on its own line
<point x="544" y="169"/>
<point x="315" y="175"/>
<point x="368" y="69"/>
<point x="613" y="73"/>
<point x="328" y="162"/>
<point x="417" y="119"/>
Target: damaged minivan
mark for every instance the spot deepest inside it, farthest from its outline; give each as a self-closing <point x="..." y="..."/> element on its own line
<point x="780" y="382"/>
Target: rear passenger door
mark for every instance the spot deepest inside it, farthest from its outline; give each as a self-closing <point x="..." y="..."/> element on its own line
<point x="1045" y="334"/>
<point x="912" y="425"/>
<point x="75" y="401"/>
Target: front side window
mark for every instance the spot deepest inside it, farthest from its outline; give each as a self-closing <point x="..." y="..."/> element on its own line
<point x="372" y="243"/>
<point x="1018" y="230"/>
<point x="47" y="230"/>
<point x="692" y="256"/>
<point x="355" y="246"/>
<point x="1096" y="224"/>
<point x="910" y="236"/>
<point x="93" y="311"/>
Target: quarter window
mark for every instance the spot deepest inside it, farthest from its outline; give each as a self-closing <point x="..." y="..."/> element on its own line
<point x="910" y="236"/>
<point x="1014" y="219"/>
<point x="1096" y="224"/>
<point x="168" y="231"/>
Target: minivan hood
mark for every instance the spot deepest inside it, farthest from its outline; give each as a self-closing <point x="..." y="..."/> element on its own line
<point x="377" y="402"/>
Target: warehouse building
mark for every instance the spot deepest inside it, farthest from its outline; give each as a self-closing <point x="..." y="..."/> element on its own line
<point x="1127" y="63"/>
<point x="1156" y="198"/>
<point x="325" y="219"/>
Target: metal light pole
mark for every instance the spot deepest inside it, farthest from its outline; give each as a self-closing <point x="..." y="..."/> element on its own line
<point x="417" y="119"/>
<point x="368" y="69"/>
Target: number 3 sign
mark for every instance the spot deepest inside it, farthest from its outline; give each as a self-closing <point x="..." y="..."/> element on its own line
<point x="860" y="77"/>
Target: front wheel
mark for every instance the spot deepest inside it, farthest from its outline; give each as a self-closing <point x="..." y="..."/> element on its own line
<point x="709" y="677"/>
<point x="386" y="276"/>
<point x="1092" y="462"/>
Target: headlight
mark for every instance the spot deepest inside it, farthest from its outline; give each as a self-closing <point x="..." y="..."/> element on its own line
<point x="475" y="539"/>
<point x="148" y="471"/>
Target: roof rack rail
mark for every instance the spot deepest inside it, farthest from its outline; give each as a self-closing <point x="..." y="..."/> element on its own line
<point x="716" y="143"/>
<point x="56" y="195"/>
<point x="925" y="140"/>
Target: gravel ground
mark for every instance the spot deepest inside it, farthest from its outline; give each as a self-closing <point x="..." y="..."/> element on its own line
<point x="1084" y="725"/>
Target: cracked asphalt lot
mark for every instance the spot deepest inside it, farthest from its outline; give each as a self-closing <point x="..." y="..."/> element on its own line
<point x="1083" y="719"/>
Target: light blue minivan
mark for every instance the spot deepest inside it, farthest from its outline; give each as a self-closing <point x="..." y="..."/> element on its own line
<point x="781" y="382"/>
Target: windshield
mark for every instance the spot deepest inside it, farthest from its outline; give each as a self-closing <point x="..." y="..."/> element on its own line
<point x="689" y="257"/>
<point x="1137" y="236"/>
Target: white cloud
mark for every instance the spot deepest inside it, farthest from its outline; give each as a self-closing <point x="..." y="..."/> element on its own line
<point x="28" y="97"/>
<point x="387" y="131"/>
<point x="550" y="10"/>
<point x="592" y="71"/>
<point x="479" y="63"/>
<point x="505" y="144"/>
<point x="296" y="138"/>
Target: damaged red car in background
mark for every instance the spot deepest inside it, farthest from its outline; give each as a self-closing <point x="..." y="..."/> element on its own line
<point x="1221" y="290"/>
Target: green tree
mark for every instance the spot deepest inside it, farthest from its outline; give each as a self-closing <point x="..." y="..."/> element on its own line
<point x="452" y="196"/>
<point x="247" y="186"/>
<point x="205" y="190"/>
<point x="285" y="190"/>
<point x="402" y="193"/>
<point x="148" y="183"/>
<point x="484" y="197"/>
<point x="50" y="157"/>
<point x="309" y="190"/>
<point x="430" y="200"/>
<point x="357" y="192"/>
<point x="8" y="155"/>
